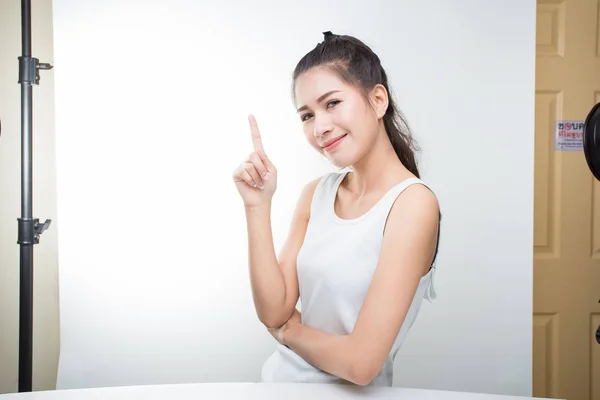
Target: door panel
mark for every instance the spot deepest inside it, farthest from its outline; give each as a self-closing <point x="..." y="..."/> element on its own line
<point x="566" y="355"/>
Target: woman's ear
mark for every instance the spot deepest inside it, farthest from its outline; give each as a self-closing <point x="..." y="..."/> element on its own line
<point x="379" y="100"/>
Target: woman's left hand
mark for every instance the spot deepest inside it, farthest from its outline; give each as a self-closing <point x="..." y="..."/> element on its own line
<point x="278" y="333"/>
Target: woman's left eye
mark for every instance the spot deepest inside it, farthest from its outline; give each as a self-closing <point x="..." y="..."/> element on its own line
<point x="332" y="103"/>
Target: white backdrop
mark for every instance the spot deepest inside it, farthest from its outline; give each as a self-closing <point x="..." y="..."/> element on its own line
<point x="152" y="99"/>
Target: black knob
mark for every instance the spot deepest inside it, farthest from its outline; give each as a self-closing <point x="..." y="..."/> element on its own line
<point x="598" y="335"/>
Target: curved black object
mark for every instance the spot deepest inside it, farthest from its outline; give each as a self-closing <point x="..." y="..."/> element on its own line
<point x="591" y="140"/>
<point x="591" y="149"/>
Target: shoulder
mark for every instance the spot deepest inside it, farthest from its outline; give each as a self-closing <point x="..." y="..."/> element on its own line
<point x="306" y="196"/>
<point x="416" y="211"/>
<point x="308" y="191"/>
<point x="418" y="198"/>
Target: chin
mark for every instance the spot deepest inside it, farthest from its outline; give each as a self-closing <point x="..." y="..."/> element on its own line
<point x="341" y="160"/>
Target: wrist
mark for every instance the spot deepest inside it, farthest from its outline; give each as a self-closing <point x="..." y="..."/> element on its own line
<point x="258" y="209"/>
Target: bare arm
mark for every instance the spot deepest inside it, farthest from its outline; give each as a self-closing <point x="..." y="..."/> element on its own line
<point x="274" y="282"/>
<point x="409" y="245"/>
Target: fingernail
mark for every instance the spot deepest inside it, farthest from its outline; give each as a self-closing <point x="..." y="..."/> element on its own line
<point x="264" y="175"/>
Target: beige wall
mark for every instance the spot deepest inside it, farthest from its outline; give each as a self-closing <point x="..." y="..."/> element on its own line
<point x="46" y="318"/>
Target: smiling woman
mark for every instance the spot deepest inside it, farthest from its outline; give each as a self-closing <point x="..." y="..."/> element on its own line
<point x="362" y="246"/>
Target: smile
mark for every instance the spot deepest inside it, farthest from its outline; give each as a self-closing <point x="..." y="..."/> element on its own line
<point x="332" y="144"/>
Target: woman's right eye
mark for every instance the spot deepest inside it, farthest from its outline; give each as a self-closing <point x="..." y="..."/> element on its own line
<point x="305" y="116"/>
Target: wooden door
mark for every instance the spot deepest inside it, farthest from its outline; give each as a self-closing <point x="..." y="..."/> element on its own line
<point x="566" y="293"/>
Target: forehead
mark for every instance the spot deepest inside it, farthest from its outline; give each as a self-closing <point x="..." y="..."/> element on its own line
<point x="313" y="83"/>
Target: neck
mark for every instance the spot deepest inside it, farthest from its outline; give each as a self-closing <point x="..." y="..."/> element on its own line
<point x="367" y="176"/>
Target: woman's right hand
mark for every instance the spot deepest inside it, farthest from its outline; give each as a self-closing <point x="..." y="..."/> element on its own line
<point x="256" y="177"/>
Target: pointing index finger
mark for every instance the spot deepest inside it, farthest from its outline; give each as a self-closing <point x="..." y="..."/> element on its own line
<point x="256" y="140"/>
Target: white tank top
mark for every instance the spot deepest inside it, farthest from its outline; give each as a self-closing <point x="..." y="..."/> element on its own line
<point x="335" y="266"/>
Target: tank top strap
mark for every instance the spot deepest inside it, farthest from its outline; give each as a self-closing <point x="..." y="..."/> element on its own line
<point x="325" y="191"/>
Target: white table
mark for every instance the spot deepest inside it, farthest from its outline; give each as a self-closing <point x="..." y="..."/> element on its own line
<point x="252" y="391"/>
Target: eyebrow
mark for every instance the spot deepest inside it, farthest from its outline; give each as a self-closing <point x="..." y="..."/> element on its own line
<point x="320" y="99"/>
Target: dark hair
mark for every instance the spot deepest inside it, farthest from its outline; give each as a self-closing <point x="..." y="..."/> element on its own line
<point x="359" y="66"/>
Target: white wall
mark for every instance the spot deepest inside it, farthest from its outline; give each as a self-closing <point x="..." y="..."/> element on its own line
<point x="45" y="300"/>
<point x="151" y="105"/>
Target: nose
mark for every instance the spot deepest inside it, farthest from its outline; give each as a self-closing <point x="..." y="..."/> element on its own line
<point x="322" y="125"/>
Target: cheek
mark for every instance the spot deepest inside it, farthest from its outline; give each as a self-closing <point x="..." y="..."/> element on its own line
<point x="362" y="125"/>
<point x="352" y="117"/>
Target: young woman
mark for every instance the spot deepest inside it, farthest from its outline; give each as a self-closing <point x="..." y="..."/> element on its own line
<point x="362" y="245"/>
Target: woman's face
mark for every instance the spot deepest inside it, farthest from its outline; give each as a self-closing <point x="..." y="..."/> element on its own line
<point x="337" y="120"/>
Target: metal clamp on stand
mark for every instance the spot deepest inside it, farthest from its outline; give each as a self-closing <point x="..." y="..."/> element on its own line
<point x="29" y="70"/>
<point x="30" y="230"/>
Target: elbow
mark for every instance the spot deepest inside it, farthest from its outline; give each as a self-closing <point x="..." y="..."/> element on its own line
<point x="363" y="370"/>
<point x="271" y="322"/>
<point x="273" y="315"/>
<point x="362" y="378"/>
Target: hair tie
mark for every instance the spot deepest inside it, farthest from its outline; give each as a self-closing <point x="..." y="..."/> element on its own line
<point x="328" y="35"/>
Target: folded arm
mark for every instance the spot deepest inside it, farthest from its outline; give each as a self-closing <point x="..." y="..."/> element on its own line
<point x="409" y="245"/>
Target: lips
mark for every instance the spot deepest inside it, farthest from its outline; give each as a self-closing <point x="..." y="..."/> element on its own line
<point x="333" y="141"/>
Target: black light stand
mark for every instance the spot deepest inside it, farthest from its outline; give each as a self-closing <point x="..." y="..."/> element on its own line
<point x="29" y="228"/>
